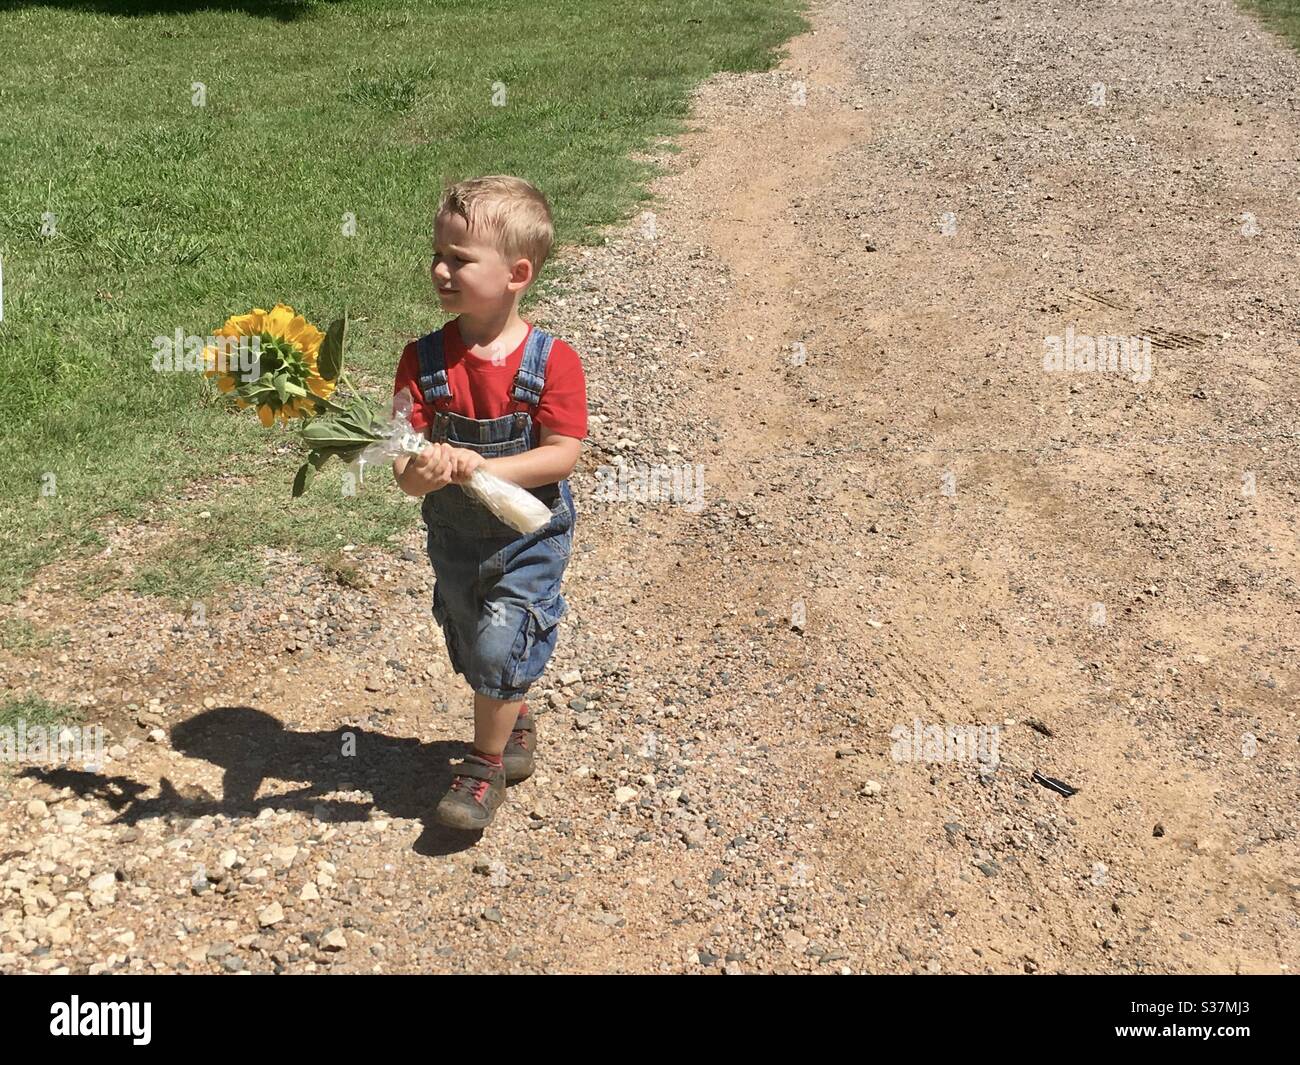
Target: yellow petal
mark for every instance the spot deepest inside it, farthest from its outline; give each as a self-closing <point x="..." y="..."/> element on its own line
<point x="311" y="337"/>
<point x="242" y="325"/>
<point x="307" y="337"/>
<point x="225" y="384"/>
<point x="266" y="415"/>
<point x="278" y="321"/>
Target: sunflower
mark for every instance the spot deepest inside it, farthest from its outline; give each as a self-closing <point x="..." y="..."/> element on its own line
<point x="285" y="377"/>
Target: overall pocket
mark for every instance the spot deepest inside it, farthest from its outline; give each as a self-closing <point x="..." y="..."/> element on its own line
<point x="558" y="534"/>
<point x="540" y="631"/>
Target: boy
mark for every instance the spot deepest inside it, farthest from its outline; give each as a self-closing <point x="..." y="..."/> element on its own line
<point x="493" y="391"/>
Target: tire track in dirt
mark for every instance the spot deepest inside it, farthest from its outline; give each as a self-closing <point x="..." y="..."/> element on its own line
<point x="975" y="605"/>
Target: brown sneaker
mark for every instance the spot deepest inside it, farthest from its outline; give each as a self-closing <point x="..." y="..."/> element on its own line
<point x="477" y="789"/>
<point x="518" y="755"/>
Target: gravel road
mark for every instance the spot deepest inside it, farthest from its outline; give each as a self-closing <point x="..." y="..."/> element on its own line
<point x="794" y="720"/>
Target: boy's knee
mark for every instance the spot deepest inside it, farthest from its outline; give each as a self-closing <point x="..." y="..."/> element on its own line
<point x="500" y="642"/>
<point x="515" y="645"/>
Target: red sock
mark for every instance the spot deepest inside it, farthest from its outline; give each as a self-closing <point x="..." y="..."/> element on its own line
<point x="494" y="759"/>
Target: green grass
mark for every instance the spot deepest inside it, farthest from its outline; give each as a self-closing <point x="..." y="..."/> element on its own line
<point x="35" y="711"/>
<point x="169" y="215"/>
<point x="19" y="635"/>
<point x="1280" y="15"/>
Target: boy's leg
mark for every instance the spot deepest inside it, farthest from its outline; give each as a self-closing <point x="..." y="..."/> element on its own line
<point x="493" y="721"/>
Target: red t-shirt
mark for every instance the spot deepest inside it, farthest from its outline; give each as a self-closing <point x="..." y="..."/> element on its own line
<point x="481" y="390"/>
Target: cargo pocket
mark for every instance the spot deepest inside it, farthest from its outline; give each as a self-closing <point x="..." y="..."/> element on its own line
<point x="540" y="631"/>
<point x="448" y="629"/>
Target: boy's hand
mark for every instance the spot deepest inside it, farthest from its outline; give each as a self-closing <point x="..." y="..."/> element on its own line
<point x="428" y="471"/>
<point x="463" y="463"/>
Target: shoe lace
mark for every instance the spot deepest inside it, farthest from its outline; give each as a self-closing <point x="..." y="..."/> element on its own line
<point x="476" y="788"/>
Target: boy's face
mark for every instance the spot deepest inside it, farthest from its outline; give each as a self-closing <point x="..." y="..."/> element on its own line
<point x="470" y="275"/>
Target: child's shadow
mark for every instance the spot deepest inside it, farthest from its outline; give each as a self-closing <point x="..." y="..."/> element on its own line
<point x="406" y="777"/>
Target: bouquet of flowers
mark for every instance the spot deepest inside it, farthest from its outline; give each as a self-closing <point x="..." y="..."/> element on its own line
<point x="295" y="376"/>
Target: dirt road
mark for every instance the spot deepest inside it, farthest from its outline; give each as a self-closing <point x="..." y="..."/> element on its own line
<point x="840" y="307"/>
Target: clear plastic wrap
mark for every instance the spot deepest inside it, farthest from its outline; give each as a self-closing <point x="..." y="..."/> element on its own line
<point x="396" y="437"/>
<point x="515" y="506"/>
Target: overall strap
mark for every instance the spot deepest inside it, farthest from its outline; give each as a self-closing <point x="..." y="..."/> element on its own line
<point x="532" y="370"/>
<point x="433" y="367"/>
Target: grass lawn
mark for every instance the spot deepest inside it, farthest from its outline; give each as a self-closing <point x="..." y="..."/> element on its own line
<point x="35" y="711"/>
<point x="1280" y="15"/>
<point x="163" y="168"/>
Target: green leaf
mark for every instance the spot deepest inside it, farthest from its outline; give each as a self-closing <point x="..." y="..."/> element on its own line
<point x="280" y="380"/>
<point x="256" y="394"/>
<point x="359" y="412"/>
<point x="335" y="429"/>
<point x="305" y="473"/>
<point x="329" y="360"/>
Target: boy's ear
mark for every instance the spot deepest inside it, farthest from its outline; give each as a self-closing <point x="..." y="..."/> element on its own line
<point x="522" y="271"/>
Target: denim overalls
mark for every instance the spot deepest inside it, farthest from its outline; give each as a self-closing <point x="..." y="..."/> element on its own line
<point x="497" y="591"/>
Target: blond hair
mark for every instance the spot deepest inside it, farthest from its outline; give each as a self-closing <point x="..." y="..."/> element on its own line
<point x="508" y="211"/>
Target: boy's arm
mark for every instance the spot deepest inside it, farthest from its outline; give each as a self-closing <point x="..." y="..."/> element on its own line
<point x="552" y="460"/>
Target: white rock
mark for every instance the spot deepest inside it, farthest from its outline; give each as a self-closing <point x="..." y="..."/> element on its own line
<point x="103" y="882"/>
<point x="36" y="808"/>
<point x="625" y="794"/>
<point x="309" y="892"/>
<point x="272" y="914"/>
<point x="573" y="676"/>
<point x="333" y="940"/>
